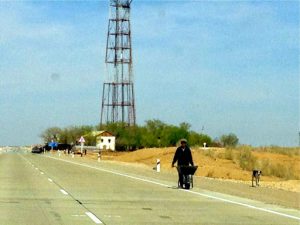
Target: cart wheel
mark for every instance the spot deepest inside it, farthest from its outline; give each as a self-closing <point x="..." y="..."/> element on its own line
<point x="187" y="186"/>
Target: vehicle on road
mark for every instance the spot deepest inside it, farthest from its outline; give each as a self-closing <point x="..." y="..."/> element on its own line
<point x="58" y="146"/>
<point x="47" y="147"/>
<point x="37" y="149"/>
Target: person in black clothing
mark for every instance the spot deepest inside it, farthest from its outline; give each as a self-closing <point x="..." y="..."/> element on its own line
<point x="183" y="157"/>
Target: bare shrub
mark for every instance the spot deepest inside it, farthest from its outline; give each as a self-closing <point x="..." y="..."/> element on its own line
<point x="246" y="160"/>
<point x="210" y="153"/>
<point x="278" y="170"/>
<point x="210" y="173"/>
<point x="290" y="151"/>
<point x="282" y="171"/>
<point x="229" y="154"/>
<point x="266" y="167"/>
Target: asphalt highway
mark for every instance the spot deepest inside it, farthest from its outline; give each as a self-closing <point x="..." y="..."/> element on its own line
<point x="44" y="189"/>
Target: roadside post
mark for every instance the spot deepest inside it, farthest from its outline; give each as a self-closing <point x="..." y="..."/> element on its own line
<point x="158" y="165"/>
<point x="99" y="156"/>
<point x="81" y="141"/>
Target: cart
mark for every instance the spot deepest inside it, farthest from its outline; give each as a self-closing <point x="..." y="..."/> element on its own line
<point x="187" y="172"/>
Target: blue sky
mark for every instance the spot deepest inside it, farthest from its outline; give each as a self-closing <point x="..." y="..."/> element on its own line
<point x="227" y="66"/>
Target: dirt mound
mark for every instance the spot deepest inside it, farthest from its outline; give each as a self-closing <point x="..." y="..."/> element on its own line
<point x="211" y="164"/>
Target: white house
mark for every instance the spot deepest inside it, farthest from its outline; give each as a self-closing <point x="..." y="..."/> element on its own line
<point x="105" y="140"/>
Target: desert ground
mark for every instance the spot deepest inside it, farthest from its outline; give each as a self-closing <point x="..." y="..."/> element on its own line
<point x="213" y="163"/>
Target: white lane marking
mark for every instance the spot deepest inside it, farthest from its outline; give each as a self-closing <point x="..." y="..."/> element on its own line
<point x="63" y="191"/>
<point x="243" y="204"/>
<point x="93" y="217"/>
<point x="110" y="216"/>
<point x="42" y="173"/>
<point x="192" y="192"/>
<point x="50" y="180"/>
<point x="36" y="168"/>
<point x="113" y="172"/>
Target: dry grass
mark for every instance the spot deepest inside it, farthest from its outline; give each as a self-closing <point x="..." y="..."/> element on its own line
<point x="279" y="170"/>
<point x="223" y="163"/>
<point x="273" y="161"/>
<point x="236" y="164"/>
<point x="292" y="151"/>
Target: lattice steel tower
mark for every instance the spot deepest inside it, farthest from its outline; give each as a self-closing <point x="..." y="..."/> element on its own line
<point x="118" y="103"/>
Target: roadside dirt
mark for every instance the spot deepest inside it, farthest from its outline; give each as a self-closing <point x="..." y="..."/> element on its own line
<point x="209" y="166"/>
<point x="283" y="193"/>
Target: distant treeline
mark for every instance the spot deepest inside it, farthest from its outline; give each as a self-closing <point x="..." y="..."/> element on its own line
<point x="154" y="133"/>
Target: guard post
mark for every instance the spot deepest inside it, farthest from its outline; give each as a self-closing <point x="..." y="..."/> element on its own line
<point x="158" y="165"/>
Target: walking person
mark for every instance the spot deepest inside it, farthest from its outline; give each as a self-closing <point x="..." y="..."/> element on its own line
<point x="183" y="157"/>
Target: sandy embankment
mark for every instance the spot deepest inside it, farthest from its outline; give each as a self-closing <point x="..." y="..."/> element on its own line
<point x="209" y="167"/>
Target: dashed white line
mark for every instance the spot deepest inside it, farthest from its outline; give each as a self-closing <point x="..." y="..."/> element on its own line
<point x="50" y="179"/>
<point x="192" y="192"/>
<point x="36" y="168"/>
<point x="42" y="173"/>
<point x="63" y="191"/>
<point x="94" y="218"/>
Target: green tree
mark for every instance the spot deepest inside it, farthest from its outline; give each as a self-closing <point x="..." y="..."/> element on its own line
<point x="229" y="140"/>
<point x="196" y="139"/>
<point x="154" y="133"/>
<point x="52" y="133"/>
<point x="69" y="135"/>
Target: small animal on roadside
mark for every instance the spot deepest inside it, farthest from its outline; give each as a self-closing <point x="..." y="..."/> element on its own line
<point x="256" y="175"/>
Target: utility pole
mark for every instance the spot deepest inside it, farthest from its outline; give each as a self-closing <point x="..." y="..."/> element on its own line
<point x="118" y="101"/>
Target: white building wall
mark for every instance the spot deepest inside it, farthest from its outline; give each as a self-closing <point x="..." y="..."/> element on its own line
<point x="107" y="142"/>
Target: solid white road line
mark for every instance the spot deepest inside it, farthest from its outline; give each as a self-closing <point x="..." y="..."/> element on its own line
<point x="50" y="180"/>
<point x="189" y="191"/>
<point x="243" y="204"/>
<point x="93" y="217"/>
<point x="63" y="191"/>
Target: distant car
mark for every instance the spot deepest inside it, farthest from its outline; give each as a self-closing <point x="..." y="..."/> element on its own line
<point x="58" y="146"/>
<point x="64" y="147"/>
<point x="37" y="149"/>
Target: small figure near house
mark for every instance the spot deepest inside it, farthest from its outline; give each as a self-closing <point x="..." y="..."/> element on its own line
<point x="183" y="157"/>
<point x="99" y="156"/>
<point x="256" y="175"/>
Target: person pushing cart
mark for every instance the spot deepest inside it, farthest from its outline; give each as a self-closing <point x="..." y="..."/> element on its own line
<point x="183" y="157"/>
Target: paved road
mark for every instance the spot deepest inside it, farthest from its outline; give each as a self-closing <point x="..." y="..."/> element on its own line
<point x="35" y="189"/>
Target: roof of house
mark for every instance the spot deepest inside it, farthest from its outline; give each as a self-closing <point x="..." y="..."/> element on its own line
<point x="102" y="133"/>
<point x="97" y="133"/>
